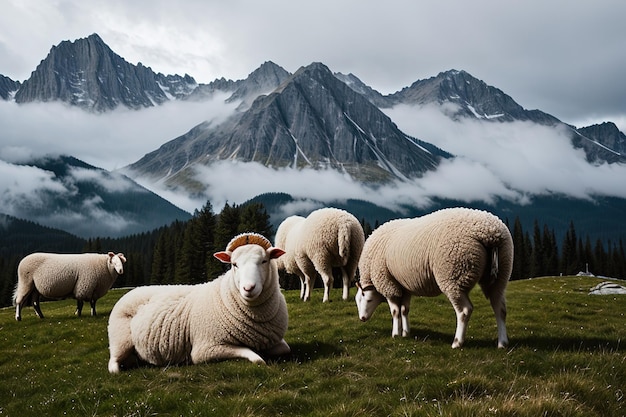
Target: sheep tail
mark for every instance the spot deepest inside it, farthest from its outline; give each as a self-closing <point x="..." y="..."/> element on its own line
<point x="343" y="240"/>
<point x="494" y="264"/>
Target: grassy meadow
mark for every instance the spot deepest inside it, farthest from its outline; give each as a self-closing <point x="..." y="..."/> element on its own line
<point x="567" y="357"/>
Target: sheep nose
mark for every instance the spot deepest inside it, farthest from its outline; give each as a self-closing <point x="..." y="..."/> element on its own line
<point x="249" y="287"/>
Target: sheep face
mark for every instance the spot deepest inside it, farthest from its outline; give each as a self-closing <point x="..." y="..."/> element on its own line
<point x="367" y="299"/>
<point x="250" y="268"/>
<point x="117" y="262"/>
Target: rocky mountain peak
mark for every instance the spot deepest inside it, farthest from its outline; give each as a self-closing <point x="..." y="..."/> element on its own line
<point x="261" y="81"/>
<point x="474" y="98"/>
<point x="88" y="74"/>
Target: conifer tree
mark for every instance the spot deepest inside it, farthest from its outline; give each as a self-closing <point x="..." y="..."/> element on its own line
<point x="538" y="253"/>
<point x="569" y="259"/>
<point x="551" y="249"/>
<point x="519" y="250"/>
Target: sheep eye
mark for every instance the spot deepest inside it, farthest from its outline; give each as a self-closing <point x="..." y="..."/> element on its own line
<point x="234" y="264"/>
<point x="264" y="261"/>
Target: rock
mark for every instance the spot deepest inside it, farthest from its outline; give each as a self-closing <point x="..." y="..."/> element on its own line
<point x="606" y="288"/>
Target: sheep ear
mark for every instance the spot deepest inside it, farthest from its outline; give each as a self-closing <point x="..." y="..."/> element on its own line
<point x="122" y="257"/>
<point x="111" y="254"/>
<point x="275" y="253"/>
<point x="223" y="256"/>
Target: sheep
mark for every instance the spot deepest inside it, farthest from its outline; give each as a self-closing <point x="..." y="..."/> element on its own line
<point x="238" y="314"/>
<point x="85" y="277"/>
<point x="447" y="251"/>
<point x="326" y="238"/>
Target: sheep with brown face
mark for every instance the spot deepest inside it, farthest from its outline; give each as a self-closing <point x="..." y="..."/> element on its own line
<point x="448" y="251"/>
<point x="241" y="314"/>
<point x="85" y="277"/>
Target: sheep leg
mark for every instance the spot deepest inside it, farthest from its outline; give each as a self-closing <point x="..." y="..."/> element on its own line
<point x="128" y="361"/>
<point x="499" y="309"/>
<point x="395" y="308"/>
<point x="307" y="288"/>
<point x="404" y="313"/>
<point x="223" y="352"/>
<point x="93" y="307"/>
<point x="79" y="307"/>
<point x="327" y="278"/>
<point x="463" y="308"/>
<point x="19" y="303"/>
<point x="304" y="284"/>
<point x="279" y="349"/>
<point x="346" y="284"/>
<point x="36" y="305"/>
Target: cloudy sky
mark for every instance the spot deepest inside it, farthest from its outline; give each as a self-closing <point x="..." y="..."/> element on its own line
<point x="562" y="57"/>
<point x="565" y="58"/>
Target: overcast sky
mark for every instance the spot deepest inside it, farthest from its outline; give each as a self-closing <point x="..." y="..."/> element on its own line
<point x="563" y="57"/>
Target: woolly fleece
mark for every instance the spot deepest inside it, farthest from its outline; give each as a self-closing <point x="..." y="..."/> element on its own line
<point x="85" y="277"/>
<point x="182" y="324"/>
<point x="325" y="239"/>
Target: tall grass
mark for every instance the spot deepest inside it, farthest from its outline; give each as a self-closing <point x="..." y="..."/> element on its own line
<point x="567" y="357"/>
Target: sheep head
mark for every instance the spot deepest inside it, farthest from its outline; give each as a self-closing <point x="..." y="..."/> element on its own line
<point x="117" y="262"/>
<point x="367" y="299"/>
<point x="249" y="255"/>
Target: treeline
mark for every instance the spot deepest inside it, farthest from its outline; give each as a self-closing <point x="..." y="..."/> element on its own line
<point x="182" y="252"/>
<point x="539" y="255"/>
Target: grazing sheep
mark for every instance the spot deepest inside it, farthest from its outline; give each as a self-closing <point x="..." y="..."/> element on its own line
<point x="325" y="239"/>
<point x="240" y="313"/>
<point x="85" y="277"/>
<point x="446" y="251"/>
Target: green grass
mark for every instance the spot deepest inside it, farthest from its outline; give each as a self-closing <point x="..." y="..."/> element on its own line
<point x="567" y="357"/>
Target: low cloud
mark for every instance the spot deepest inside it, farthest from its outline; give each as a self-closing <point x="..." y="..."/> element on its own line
<point x="26" y="187"/>
<point x="106" y="140"/>
<point x="113" y="182"/>
<point x="523" y="157"/>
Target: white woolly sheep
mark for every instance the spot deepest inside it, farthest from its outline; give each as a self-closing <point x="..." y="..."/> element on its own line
<point x="327" y="238"/>
<point x="447" y="251"/>
<point x="85" y="277"/>
<point x="240" y="313"/>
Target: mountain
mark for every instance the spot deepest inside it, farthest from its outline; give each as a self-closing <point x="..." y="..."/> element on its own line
<point x="86" y="201"/>
<point x="473" y="98"/>
<point x="88" y="74"/>
<point x="602" y="142"/>
<point x="311" y="120"/>
<point x="8" y="87"/>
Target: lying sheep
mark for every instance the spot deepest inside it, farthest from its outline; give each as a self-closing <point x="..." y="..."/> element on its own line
<point x="327" y="238"/>
<point x="85" y="277"/>
<point x="238" y="315"/>
<point x="447" y="251"/>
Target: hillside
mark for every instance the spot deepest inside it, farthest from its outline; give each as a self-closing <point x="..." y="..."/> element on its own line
<point x="84" y="200"/>
<point x="565" y="359"/>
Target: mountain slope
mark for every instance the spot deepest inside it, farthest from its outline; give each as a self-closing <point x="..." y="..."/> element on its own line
<point x="311" y="120"/>
<point x="8" y="87"/>
<point x="473" y="98"/>
<point x="603" y="143"/>
<point x="88" y="74"/>
<point x="84" y="200"/>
